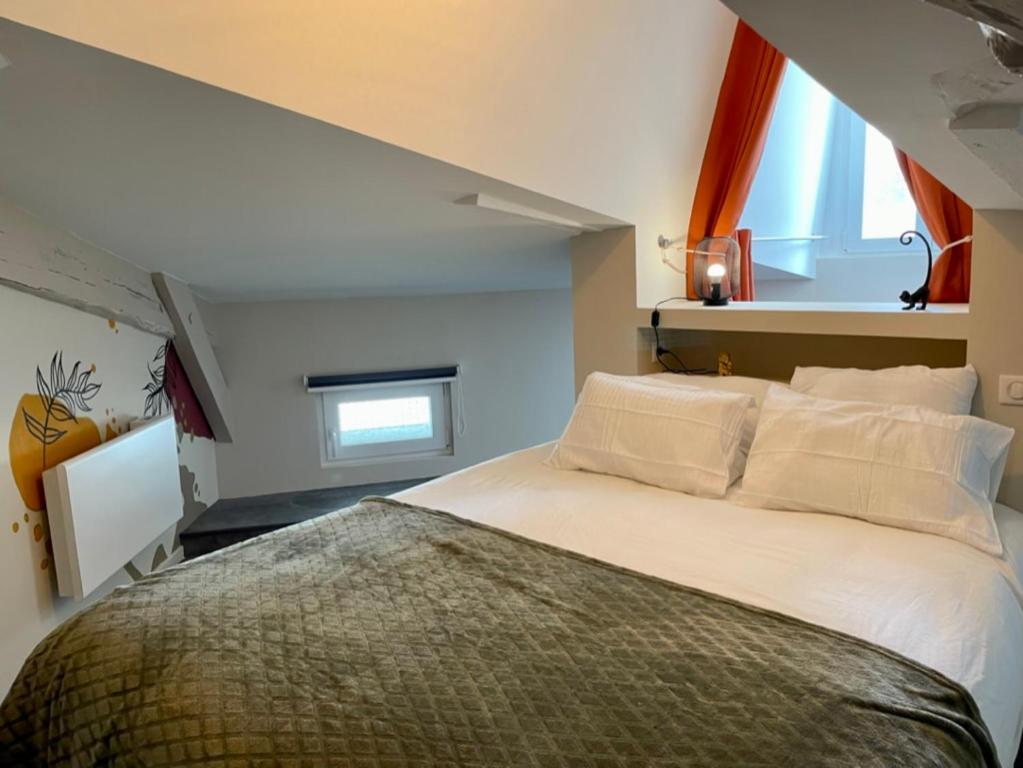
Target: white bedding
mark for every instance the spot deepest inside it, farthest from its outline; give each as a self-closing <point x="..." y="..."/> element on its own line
<point x="935" y="600"/>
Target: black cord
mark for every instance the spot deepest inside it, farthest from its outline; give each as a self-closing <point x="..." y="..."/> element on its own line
<point x="661" y="353"/>
<point x="665" y="301"/>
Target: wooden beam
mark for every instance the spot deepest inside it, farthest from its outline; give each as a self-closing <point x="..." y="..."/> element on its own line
<point x="53" y="264"/>
<point x="192" y="344"/>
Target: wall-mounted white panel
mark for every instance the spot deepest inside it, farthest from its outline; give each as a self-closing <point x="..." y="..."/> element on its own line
<point x="107" y="504"/>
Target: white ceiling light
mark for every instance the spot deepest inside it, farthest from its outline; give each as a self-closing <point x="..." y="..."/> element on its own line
<point x="537" y="216"/>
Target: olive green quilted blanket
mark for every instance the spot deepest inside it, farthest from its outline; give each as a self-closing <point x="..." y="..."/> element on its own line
<point x="392" y="636"/>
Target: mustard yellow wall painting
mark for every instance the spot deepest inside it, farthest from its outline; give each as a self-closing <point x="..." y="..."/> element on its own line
<point x="48" y="427"/>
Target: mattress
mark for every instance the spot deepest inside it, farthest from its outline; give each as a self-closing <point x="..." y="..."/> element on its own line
<point x="936" y="601"/>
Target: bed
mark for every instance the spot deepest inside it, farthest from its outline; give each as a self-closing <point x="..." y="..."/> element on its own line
<point x="941" y="603"/>
<point x="207" y="664"/>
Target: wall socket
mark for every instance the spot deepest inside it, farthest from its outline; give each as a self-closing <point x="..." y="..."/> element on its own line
<point x="1010" y="390"/>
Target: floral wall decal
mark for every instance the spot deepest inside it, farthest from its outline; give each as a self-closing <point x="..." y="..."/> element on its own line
<point x="60" y="396"/>
<point x="169" y="387"/>
<point x="157" y="398"/>
<point x="48" y="428"/>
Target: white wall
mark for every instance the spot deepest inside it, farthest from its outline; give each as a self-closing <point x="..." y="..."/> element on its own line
<point x="515" y="350"/>
<point x="605" y="104"/>
<point x="33" y="330"/>
<point x="851" y="278"/>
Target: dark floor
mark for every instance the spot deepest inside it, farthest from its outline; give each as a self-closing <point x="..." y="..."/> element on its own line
<point x="229" y="521"/>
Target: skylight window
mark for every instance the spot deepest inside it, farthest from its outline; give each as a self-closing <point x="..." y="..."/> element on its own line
<point x="878" y="204"/>
<point x="888" y="209"/>
<point x="828" y="192"/>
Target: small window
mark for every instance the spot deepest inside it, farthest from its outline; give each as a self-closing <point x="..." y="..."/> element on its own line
<point x="388" y="421"/>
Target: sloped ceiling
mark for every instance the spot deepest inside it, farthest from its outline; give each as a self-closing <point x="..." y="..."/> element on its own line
<point x="605" y="104"/>
<point x="244" y="200"/>
<point x="910" y="67"/>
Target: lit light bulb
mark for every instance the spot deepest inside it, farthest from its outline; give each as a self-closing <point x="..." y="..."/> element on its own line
<point x="716" y="272"/>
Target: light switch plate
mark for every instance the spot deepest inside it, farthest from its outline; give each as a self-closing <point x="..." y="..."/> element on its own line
<point x="1010" y="390"/>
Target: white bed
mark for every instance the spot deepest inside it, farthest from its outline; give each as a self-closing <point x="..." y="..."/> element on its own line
<point x="934" y="600"/>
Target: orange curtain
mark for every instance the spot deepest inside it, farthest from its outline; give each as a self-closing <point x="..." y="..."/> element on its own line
<point x="745" y="105"/>
<point x="949" y="219"/>
<point x="746" y="290"/>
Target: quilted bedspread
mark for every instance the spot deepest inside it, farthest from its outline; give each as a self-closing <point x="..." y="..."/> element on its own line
<point x="393" y="636"/>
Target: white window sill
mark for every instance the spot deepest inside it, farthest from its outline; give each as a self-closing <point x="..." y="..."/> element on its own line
<point x="938" y="321"/>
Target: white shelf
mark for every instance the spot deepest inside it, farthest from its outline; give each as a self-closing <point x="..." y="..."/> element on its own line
<point x="938" y="321"/>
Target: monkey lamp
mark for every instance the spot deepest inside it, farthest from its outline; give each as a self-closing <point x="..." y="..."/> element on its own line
<point x="716" y="270"/>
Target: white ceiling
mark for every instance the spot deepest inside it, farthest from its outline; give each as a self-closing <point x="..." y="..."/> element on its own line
<point x="246" y="201"/>
<point x="907" y="67"/>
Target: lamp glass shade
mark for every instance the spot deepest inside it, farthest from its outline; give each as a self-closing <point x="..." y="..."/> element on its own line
<point x="716" y="270"/>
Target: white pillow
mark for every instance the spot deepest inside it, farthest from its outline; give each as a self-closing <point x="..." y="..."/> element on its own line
<point x="897" y="465"/>
<point x="949" y="390"/>
<point x="746" y="385"/>
<point x="681" y="438"/>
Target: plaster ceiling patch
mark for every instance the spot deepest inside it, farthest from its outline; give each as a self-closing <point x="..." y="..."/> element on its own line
<point x="981" y="80"/>
<point x="994" y="133"/>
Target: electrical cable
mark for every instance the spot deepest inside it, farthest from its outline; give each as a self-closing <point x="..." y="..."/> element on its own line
<point x="660" y="352"/>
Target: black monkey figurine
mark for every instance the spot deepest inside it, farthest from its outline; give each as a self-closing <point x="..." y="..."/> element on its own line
<point x="923" y="293"/>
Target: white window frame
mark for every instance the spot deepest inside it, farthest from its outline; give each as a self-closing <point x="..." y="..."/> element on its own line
<point x="332" y="453"/>
<point x="853" y="243"/>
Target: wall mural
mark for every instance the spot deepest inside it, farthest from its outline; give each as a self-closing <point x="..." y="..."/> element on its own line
<point x="187" y="410"/>
<point x="156" y="388"/>
<point x="47" y="427"/>
<point x="70" y="381"/>
<point x="168" y="387"/>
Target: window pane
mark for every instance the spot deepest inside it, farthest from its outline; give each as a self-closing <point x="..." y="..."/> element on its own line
<point x="888" y="208"/>
<point x="385" y="421"/>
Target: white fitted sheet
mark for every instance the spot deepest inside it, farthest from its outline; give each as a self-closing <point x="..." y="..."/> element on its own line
<point x="935" y="600"/>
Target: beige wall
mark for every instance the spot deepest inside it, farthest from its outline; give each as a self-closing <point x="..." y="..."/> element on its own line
<point x="776" y="355"/>
<point x="603" y="303"/>
<point x="605" y="104"/>
<point x="995" y="343"/>
<point x="515" y="349"/>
